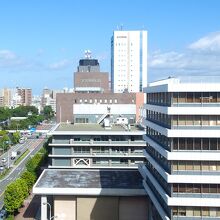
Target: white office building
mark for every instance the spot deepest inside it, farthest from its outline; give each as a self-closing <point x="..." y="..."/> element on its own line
<point x="128" y="61"/>
<point x="182" y="172"/>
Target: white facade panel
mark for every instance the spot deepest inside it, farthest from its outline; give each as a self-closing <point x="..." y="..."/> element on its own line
<point x="100" y="109"/>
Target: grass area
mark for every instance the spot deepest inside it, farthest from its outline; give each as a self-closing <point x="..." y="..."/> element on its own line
<point x="21" y="157"/>
<point x="5" y="173"/>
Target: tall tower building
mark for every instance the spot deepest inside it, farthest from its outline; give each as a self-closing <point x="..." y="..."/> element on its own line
<point x="128" y="61"/>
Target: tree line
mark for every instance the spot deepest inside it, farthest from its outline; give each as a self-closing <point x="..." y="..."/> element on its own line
<point x="18" y="191"/>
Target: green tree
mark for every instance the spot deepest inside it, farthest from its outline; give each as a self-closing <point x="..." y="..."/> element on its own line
<point x="14" y="195"/>
<point x="4" y="142"/>
<point x="48" y="112"/>
<point x="29" y="178"/>
<point x="16" y="137"/>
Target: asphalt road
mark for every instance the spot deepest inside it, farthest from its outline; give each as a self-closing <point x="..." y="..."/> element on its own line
<point x="33" y="145"/>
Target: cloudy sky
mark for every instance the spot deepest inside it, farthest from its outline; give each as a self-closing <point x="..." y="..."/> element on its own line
<point x="42" y="41"/>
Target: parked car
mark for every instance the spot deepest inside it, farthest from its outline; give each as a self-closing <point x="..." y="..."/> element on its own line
<point x="3" y="214"/>
<point x="1" y="168"/>
<point x="4" y="160"/>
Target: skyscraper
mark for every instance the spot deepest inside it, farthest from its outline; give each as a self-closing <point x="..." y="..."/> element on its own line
<point x="129" y="61"/>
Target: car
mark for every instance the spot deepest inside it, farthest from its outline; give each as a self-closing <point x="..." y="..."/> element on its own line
<point x="3" y="214"/>
<point x="1" y="168"/>
<point x="4" y="160"/>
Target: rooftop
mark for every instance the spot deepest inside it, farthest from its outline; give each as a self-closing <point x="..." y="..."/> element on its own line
<point x="54" y="181"/>
<point x="93" y="127"/>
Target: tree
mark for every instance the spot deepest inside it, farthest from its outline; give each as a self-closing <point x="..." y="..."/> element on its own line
<point x="29" y="178"/>
<point x="48" y="112"/>
<point x="4" y="142"/>
<point x="15" y="194"/>
<point x="16" y="137"/>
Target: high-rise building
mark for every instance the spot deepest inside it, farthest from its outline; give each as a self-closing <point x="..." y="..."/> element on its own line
<point x="129" y="61"/>
<point x="182" y="172"/>
<point x="5" y="97"/>
<point x="25" y="95"/>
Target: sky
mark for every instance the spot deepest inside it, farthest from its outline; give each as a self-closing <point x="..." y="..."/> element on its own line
<point x="41" y="41"/>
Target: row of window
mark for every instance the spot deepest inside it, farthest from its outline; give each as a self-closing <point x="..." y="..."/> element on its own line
<point x="182" y="120"/>
<point x="196" y="165"/>
<point x="195" y="120"/>
<point x="159" y="158"/>
<point x="184" y="144"/>
<point x="199" y="144"/>
<point x="196" y="188"/>
<point x="97" y="149"/>
<point x="85" y="101"/>
<point x="196" y="211"/>
<point x="165" y="98"/>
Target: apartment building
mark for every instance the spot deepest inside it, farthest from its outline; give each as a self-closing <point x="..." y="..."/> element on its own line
<point x="182" y="172"/>
<point x="25" y="96"/>
<point x="128" y="61"/>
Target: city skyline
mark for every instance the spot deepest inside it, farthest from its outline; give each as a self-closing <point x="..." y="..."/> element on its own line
<point x="39" y="48"/>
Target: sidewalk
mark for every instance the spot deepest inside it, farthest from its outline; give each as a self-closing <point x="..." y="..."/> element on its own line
<point x="30" y="210"/>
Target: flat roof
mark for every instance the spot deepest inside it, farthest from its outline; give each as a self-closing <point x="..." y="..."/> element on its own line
<point x="89" y="182"/>
<point x="94" y="127"/>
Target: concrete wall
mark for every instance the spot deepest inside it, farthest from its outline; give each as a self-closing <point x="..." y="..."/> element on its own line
<point x="65" y="207"/>
<point x="101" y="208"/>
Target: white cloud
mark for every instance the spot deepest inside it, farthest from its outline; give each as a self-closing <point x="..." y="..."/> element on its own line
<point x="199" y="58"/>
<point x="209" y="43"/>
<point x="10" y="59"/>
<point x="60" y="64"/>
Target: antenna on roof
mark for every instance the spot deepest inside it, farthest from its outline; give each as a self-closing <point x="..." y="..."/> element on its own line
<point x="88" y="54"/>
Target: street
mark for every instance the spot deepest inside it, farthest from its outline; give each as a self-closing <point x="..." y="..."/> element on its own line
<point x="33" y="145"/>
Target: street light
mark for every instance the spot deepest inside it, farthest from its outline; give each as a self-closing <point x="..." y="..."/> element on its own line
<point x="47" y="203"/>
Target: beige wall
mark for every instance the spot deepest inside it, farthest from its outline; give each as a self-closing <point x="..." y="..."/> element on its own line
<point x="65" y="207"/>
<point x="101" y="208"/>
<point x="131" y="208"/>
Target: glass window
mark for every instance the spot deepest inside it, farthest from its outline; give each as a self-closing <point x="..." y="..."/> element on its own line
<point x="175" y="166"/>
<point x="175" y="188"/>
<point x="182" y="188"/>
<point x="182" y="144"/>
<point x="205" y="144"/>
<point x="205" y="97"/>
<point x="182" y="97"/>
<point x="189" y="98"/>
<point x="182" y="165"/>
<point x="197" y="211"/>
<point x="175" y="120"/>
<point x="205" y="120"/>
<point x="205" y="188"/>
<point x="205" y="166"/>
<point x="213" y="188"/>
<point x="196" y="165"/>
<point x="213" y="144"/>
<point x="213" y="120"/>
<point x="197" y="120"/>
<point x="182" y="120"/>
<point x="213" y="96"/>
<point x="175" y="97"/>
<point x="197" y="188"/>
<point x="197" y="144"/>
<point x="182" y="211"/>
<point x="189" y="165"/>
<point x="189" y="144"/>
<point x="205" y="211"/>
<point x="175" y="211"/>
<point x="189" y="120"/>
<point x="197" y="97"/>
<point x="175" y="144"/>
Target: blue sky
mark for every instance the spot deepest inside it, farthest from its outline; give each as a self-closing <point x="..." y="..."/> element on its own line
<point x="41" y="41"/>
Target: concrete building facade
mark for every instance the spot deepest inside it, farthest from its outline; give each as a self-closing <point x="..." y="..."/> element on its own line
<point x="182" y="172"/>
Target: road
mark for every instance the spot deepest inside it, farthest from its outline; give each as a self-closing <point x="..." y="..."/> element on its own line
<point x="33" y="145"/>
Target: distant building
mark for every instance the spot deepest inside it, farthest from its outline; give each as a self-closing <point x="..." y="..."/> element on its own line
<point x="25" y="96"/>
<point x="94" y="107"/>
<point x="5" y="97"/>
<point x="88" y="77"/>
<point x="128" y="61"/>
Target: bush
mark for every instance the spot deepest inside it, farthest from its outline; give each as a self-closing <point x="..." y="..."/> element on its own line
<point x="29" y="178"/>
